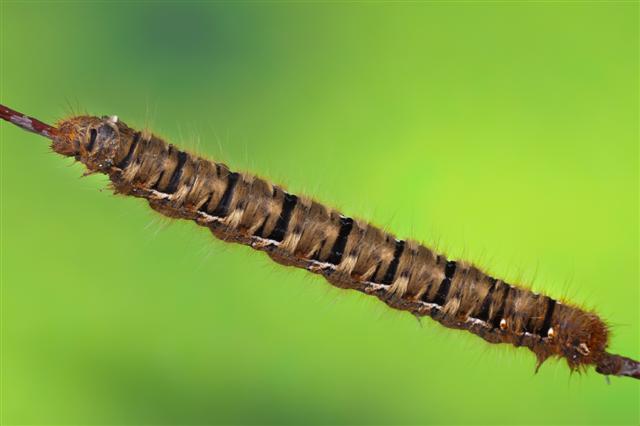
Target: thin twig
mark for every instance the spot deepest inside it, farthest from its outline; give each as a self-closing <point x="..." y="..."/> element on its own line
<point x="27" y="123"/>
<point x="616" y="365"/>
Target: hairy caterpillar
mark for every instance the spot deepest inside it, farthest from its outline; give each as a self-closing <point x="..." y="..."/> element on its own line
<point x="297" y="231"/>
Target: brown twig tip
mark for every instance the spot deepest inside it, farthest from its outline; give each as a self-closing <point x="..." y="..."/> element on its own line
<point x="616" y="365"/>
<point x="27" y="123"/>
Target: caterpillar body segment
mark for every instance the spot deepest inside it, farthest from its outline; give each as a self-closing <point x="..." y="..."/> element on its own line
<point x="297" y="231"/>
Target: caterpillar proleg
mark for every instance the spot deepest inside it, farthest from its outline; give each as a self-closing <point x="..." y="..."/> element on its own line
<point x="352" y="254"/>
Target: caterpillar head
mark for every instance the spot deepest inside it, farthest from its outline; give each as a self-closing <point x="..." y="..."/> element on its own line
<point x="95" y="141"/>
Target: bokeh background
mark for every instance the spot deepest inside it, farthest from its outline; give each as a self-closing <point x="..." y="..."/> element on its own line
<point x="504" y="133"/>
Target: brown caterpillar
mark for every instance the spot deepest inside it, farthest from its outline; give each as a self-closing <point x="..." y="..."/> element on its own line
<point x="297" y="231"/>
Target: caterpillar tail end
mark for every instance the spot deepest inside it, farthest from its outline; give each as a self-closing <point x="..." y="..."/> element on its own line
<point x="616" y="365"/>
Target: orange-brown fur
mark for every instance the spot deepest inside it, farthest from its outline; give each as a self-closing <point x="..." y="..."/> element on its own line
<point x="349" y="253"/>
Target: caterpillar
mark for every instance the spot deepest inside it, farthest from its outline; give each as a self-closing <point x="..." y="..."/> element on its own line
<point x="351" y="254"/>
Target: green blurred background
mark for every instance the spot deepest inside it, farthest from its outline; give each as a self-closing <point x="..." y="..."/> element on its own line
<point x="503" y="133"/>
